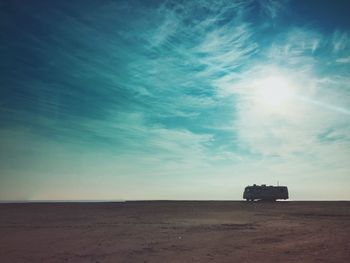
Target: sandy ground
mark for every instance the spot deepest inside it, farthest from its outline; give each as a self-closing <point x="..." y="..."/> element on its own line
<point x="175" y="232"/>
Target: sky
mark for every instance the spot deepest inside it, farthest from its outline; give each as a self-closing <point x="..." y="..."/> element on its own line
<point x="145" y="100"/>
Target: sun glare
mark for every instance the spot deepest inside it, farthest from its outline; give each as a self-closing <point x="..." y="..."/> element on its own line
<point x="273" y="92"/>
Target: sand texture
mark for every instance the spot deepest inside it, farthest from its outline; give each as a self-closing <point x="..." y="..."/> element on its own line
<point x="175" y="232"/>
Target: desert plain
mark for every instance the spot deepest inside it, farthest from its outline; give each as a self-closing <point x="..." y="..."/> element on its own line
<point x="175" y="231"/>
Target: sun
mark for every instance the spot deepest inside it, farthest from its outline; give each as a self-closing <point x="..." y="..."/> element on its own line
<point x="273" y="91"/>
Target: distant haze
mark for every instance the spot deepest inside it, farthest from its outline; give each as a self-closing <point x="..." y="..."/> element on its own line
<point x="120" y="100"/>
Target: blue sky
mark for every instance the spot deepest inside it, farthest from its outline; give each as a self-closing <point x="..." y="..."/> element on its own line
<point x="173" y="99"/>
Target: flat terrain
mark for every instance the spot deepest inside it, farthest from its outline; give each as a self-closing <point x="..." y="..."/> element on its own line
<point x="175" y="232"/>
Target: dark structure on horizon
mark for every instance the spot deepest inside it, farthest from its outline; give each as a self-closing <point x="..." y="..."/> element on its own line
<point x="266" y="193"/>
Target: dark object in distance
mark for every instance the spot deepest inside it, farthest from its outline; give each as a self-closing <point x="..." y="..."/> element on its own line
<point x="266" y="193"/>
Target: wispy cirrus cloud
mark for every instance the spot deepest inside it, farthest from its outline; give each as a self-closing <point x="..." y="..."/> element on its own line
<point x="340" y="41"/>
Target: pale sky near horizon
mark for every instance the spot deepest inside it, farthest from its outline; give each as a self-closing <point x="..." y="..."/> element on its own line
<point x="173" y="99"/>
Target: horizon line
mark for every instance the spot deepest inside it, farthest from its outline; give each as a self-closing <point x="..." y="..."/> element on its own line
<point x="158" y="200"/>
